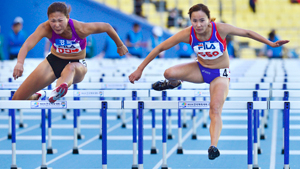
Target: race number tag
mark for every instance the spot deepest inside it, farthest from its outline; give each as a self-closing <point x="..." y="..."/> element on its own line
<point x="225" y="72"/>
<point x="48" y="105"/>
<point x="193" y="105"/>
<point x="67" y="46"/>
<point x="207" y="50"/>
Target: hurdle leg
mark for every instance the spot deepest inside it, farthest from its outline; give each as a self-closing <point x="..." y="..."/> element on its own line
<point x="205" y="116"/>
<point x="9" y="124"/>
<point x="283" y="115"/>
<point x="104" y="131"/>
<point x="255" y="145"/>
<point x="79" y="135"/>
<point x="13" y="139"/>
<point x="194" y="134"/>
<point x="134" y="146"/>
<point x="21" y="124"/>
<point x="140" y="128"/>
<point x="170" y="136"/>
<point x="100" y="134"/>
<point x="184" y="125"/>
<point x="44" y="152"/>
<point x="179" y="148"/>
<point x="153" y="146"/>
<point x="75" y="147"/>
<point x="250" y="143"/>
<point x="164" y="140"/>
<point x="50" y="150"/>
<point x="286" y="135"/>
<point x="123" y="117"/>
<point x="259" y="151"/>
<point x="64" y="114"/>
<point x="261" y="127"/>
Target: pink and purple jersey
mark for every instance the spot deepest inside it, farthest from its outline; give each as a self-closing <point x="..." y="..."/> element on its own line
<point x="67" y="46"/>
<point x="210" y="49"/>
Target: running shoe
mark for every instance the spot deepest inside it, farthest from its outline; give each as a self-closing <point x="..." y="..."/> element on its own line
<point x="41" y="94"/>
<point x="58" y="92"/>
<point x="213" y="152"/>
<point x="163" y="85"/>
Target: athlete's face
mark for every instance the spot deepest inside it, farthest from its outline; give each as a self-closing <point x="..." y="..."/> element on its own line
<point x="199" y="21"/>
<point x="58" y="22"/>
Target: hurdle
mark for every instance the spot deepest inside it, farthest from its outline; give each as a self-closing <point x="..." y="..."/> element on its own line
<point x="13" y="104"/>
<point x="237" y="105"/>
<point x="286" y="106"/>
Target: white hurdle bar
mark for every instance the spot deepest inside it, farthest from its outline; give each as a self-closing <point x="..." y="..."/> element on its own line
<point x="236" y="105"/>
<point x="16" y="104"/>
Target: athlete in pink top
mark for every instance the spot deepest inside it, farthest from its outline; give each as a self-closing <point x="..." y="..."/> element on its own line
<point x="207" y="39"/>
<point x="66" y="60"/>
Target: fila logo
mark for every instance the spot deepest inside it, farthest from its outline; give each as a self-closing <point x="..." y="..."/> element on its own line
<point x="207" y="45"/>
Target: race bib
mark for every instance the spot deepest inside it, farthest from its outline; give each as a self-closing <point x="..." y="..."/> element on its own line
<point x="67" y="46"/>
<point x="207" y="50"/>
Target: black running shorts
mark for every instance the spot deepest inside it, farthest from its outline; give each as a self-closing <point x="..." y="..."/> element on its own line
<point x="57" y="64"/>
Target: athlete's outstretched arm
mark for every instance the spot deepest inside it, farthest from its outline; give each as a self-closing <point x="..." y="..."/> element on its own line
<point x="100" y="27"/>
<point x="182" y="36"/>
<point x="30" y="42"/>
<point x="232" y="30"/>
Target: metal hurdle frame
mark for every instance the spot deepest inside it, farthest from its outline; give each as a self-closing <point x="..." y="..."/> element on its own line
<point x="286" y="106"/>
<point x="238" y="105"/>
<point x="13" y="104"/>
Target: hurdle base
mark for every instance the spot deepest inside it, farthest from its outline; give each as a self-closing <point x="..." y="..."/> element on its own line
<point x="9" y="136"/>
<point x="204" y="125"/>
<point x="84" y="110"/>
<point x="266" y="125"/>
<point x="262" y="137"/>
<point x="123" y="125"/>
<point x="184" y="125"/>
<point x="134" y="167"/>
<point x="282" y="151"/>
<point x="64" y="116"/>
<point x="13" y="167"/>
<point x="118" y="116"/>
<point x="75" y="151"/>
<point x="179" y="150"/>
<point x="256" y="167"/>
<point x="21" y="125"/>
<point x="194" y="137"/>
<point x="44" y="167"/>
<point x="100" y="137"/>
<point x="153" y="150"/>
<point x="286" y="166"/>
<point x="259" y="151"/>
<point x="170" y="137"/>
<point x="80" y="136"/>
<point x="164" y="167"/>
<point x="50" y="150"/>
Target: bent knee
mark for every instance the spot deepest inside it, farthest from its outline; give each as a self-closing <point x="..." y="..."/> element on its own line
<point x="169" y="74"/>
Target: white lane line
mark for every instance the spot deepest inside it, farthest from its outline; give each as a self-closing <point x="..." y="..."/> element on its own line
<point x="223" y="138"/>
<point x="274" y="136"/>
<point x="30" y="128"/>
<point x="85" y="143"/>
<point x="115" y="152"/>
<point x="158" y="165"/>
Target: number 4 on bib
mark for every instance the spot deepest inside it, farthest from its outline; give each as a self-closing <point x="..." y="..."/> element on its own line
<point x="225" y="73"/>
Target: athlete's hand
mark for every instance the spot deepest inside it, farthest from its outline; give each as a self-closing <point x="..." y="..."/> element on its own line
<point x="280" y="43"/>
<point x="122" y="50"/>
<point x="18" y="70"/>
<point x="135" y="76"/>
